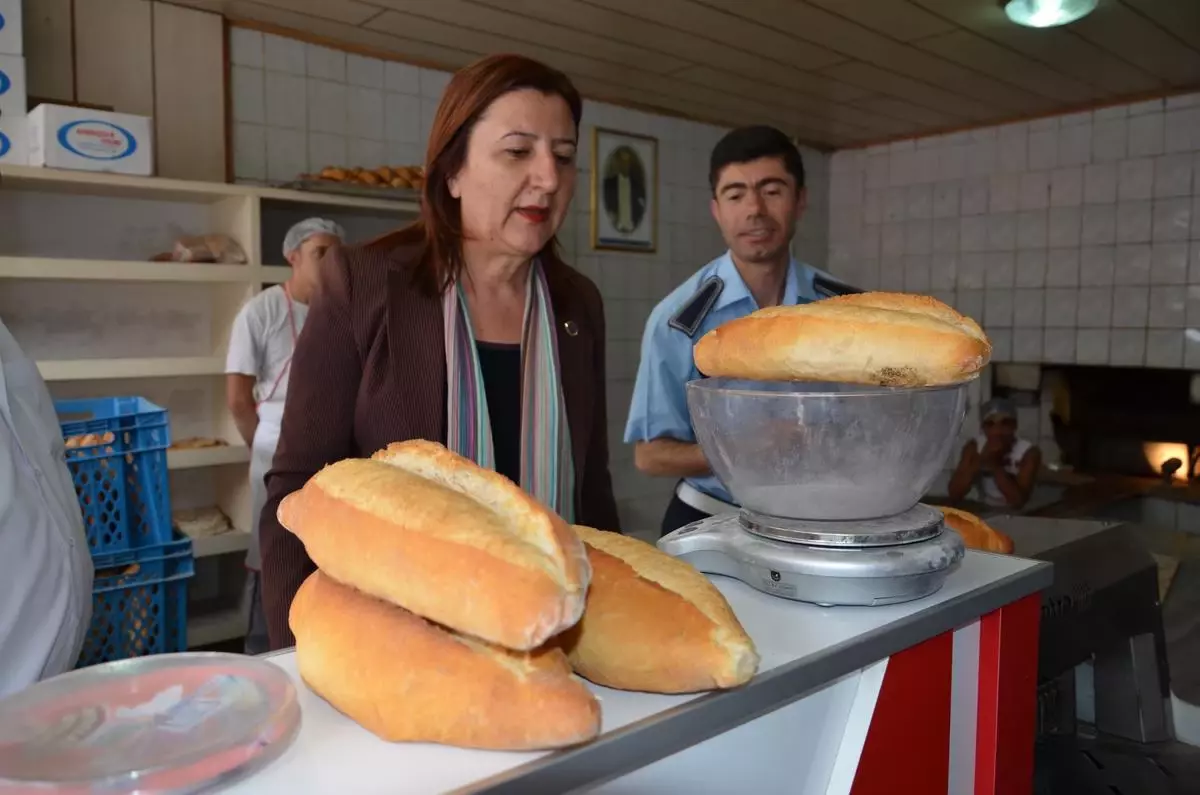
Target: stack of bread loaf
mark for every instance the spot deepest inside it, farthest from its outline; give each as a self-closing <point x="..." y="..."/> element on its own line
<point x="447" y="607"/>
<point x="885" y="339"/>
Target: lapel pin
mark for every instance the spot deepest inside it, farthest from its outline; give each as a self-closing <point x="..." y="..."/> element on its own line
<point x="571" y="328"/>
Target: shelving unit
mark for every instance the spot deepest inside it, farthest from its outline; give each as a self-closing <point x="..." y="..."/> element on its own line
<point x="80" y="293"/>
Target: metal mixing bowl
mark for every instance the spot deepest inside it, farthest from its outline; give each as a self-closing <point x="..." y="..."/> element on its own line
<point x="825" y="451"/>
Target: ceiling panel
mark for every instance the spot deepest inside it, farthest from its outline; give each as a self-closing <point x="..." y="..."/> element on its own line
<point x="900" y="20"/>
<point x="1180" y="17"/>
<point x="530" y="29"/>
<point x="1131" y="36"/>
<point x="1060" y="49"/>
<point x="831" y="72"/>
<point x="717" y="26"/>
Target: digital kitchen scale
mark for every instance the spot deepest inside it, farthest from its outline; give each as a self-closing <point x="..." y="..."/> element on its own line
<point x="814" y="466"/>
<point x="868" y="562"/>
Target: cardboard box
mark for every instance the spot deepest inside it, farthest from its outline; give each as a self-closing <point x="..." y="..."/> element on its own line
<point x="14" y="150"/>
<point x="10" y="27"/>
<point x="12" y="86"/>
<point x="90" y="140"/>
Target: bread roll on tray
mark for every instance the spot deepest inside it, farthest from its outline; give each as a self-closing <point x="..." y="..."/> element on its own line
<point x="654" y="623"/>
<point x="885" y="339"/>
<point x="428" y="530"/>
<point x="976" y="533"/>
<point x="405" y="679"/>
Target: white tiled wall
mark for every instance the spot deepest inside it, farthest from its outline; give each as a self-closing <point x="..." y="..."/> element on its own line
<point x="1073" y="239"/>
<point x="299" y="107"/>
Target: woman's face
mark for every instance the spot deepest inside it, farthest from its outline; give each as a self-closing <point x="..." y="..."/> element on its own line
<point x="519" y="175"/>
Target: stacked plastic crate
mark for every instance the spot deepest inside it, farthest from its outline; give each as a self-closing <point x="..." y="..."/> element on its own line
<point x="117" y="455"/>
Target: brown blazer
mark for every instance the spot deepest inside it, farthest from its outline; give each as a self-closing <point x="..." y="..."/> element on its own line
<point x="370" y="368"/>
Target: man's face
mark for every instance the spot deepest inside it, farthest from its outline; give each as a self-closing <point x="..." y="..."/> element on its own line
<point x="306" y="260"/>
<point x="1000" y="429"/>
<point x="756" y="204"/>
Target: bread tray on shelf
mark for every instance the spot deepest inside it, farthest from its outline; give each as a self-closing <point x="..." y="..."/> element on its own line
<point x="361" y="191"/>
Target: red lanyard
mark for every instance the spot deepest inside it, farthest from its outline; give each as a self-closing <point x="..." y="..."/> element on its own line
<point x="291" y="315"/>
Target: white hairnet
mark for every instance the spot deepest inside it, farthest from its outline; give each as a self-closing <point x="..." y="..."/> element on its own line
<point x="306" y="229"/>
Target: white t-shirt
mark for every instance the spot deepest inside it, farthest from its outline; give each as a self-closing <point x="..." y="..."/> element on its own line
<point x="261" y="345"/>
<point x="990" y="492"/>
<point x="45" y="565"/>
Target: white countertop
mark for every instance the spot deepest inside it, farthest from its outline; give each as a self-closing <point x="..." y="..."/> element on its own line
<point x="333" y="754"/>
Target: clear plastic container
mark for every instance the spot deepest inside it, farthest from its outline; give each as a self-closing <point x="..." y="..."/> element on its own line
<point x="173" y="723"/>
<point x="825" y="451"/>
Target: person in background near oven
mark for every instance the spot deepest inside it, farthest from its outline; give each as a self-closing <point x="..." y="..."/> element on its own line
<point x="1001" y="465"/>
<point x="758" y="196"/>
<point x="45" y="566"/>
<point x="256" y="381"/>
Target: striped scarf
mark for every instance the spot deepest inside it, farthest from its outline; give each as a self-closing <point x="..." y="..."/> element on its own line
<point x="547" y="471"/>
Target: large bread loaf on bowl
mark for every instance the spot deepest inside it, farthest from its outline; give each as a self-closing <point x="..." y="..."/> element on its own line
<point x="884" y="339"/>
<point x="407" y="680"/>
<point x="428" y="530"/>
<point x="654" y="623"/>
<point x="976" y="533"/>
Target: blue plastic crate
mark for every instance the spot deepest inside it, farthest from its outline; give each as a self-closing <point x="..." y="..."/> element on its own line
<point x="139" y="603"/>
<point x="120" y="470"/>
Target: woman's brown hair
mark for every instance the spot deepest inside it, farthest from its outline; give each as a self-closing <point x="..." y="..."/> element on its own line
<point x="469" y="94"/>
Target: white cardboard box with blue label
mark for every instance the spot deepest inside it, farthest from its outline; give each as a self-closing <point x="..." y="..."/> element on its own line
<point x="12" y="86"/>
<point x="10" y="27"/>
<point x="90" y="140"/>
<point x="13" y="149"/>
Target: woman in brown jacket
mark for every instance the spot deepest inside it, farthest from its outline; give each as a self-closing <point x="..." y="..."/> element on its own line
<point x="465" y="328"/>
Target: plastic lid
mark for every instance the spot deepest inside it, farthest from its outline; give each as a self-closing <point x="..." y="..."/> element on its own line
<point x="173" y="723"/>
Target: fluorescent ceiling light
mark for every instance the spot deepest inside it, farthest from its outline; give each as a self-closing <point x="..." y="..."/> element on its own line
<point x="1047" y="13"/>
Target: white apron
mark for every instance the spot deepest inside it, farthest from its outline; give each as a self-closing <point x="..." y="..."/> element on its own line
<point x="266" y="437"/>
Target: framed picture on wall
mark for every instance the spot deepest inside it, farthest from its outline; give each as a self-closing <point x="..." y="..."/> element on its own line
<point x="624" y="191"/>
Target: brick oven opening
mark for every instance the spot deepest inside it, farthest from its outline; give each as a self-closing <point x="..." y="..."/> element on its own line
<point x="1125" y="421"/>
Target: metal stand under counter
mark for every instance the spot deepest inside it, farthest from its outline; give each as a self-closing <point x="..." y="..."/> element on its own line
<point x="938" y="694"/>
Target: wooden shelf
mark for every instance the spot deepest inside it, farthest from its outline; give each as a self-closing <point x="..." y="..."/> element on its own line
<point x="217" y="627"/>
<point x="91" y="183"/>
<point x="221" y="544"/>
<point x="208" y="457"/>
<point x="106" y="369"/>
<point x="117" y="270"/>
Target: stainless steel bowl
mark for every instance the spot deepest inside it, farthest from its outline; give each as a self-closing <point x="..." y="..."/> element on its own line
<point x="825" y="451"/>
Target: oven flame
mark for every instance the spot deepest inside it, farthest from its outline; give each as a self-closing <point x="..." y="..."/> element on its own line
<point x="1159" y="453"/>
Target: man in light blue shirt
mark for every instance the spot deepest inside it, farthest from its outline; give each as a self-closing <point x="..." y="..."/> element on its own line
<point x="757" y="180"/>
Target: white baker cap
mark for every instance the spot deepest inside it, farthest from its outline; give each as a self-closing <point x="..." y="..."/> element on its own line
<point x="306" y="229"/>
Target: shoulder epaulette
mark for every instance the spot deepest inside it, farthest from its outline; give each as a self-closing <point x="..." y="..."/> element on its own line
<point x="692" y="313"/>
<point x="825" y="286"/>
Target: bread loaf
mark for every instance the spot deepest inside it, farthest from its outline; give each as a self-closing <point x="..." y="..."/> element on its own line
<point x="432" y="532"/>
<point x="405" y="679"/>
<point x="885" y="339"/>
<point x="654" y="623"/>
<point x="975" y="532"/>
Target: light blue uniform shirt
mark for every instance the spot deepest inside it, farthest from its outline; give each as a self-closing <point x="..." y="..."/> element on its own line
<point x="659" y="407"/>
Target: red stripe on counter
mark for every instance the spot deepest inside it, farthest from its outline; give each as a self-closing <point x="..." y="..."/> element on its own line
<point x="1008" y="660"/>
<point x="907" y="749"/>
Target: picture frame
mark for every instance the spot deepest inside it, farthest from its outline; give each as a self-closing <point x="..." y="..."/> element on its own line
<point x="624" y="210"/>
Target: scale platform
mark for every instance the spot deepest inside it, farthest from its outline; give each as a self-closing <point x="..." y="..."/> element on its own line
<point x="871" y="562"/>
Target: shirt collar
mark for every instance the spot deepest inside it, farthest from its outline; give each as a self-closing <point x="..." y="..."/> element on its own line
<point x="735" y="289"/>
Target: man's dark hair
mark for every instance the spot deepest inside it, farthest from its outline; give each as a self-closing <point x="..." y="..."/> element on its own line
<point x="754" y="143"/>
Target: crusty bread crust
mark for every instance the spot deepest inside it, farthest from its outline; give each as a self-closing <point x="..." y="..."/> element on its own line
<point x="885" y="339"/>
<point x="431" y="532"/>
<point x="405" y="679"/>
<point x="976" y="533"/>
<point x="654" y="623"/>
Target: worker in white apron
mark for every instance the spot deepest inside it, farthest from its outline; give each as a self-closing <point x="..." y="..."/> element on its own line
<point x="45" y="566"/>
<point x="261" y="344"/>
<point x="999" y="464"/>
